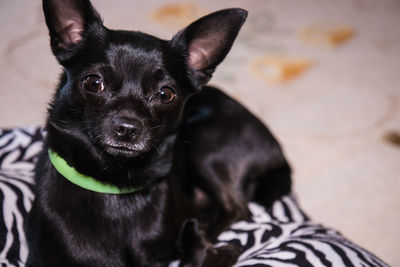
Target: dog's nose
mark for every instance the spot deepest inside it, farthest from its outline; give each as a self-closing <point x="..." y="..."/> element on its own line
<point x="127" y="128"/>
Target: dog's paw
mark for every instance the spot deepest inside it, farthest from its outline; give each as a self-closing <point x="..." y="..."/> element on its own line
<point x="225" y="256"/>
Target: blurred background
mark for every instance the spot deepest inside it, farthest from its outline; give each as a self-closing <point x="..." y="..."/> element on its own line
<point x="323" y="75"/>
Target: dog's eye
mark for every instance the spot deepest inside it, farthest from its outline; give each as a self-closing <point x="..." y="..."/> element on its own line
<point x="166" y="94"/>
<point x="93" y="83"/>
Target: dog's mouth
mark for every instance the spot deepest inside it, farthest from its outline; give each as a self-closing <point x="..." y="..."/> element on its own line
<point x="125" y="150"/>
<point x="121" y="151"/>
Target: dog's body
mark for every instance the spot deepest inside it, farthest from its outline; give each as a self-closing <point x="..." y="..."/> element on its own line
<point x="232" y="157"/>
<point x="119" y="116"/>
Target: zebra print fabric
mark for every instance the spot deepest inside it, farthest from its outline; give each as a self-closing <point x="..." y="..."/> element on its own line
<point x="18" y="149"/>
<point x="284" y="236"/>
<point x="279" y="236"/>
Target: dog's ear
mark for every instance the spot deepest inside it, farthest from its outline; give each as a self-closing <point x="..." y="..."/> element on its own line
<point x="208" y="40"/>
<point x="69" y="22"/>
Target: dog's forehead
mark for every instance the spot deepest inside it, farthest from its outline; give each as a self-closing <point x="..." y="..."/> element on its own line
<point x="136" y="68"/>
<point x="122" y="56"/>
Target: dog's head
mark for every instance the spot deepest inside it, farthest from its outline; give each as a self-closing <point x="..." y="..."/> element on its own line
<point x="123" y="92"/>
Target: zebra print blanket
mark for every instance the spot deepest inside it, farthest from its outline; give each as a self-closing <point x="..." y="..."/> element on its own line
<point x="279" y="236"/>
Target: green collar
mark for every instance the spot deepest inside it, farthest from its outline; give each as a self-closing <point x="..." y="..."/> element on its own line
<point x="84" y="181"/>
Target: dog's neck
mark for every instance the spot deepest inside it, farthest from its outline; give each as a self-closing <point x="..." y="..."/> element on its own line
<point x="83" y="181"/>
<point x="133" y="173"/>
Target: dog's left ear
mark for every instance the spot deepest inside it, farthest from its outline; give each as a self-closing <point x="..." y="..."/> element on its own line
<point x="208" y="40"/>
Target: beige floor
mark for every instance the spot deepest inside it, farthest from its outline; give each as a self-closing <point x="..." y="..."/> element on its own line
<point x="331" y="119"/>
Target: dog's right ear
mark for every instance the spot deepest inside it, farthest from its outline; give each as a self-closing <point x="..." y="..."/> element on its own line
<point x="69" y="23"/>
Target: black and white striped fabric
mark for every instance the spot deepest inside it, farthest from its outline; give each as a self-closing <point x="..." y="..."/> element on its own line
<point x="279" y="236"/>
<point x="18" y="150"/>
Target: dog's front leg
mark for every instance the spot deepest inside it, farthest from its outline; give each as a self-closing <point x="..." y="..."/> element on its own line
<point x="193" y="244"/>
<point x="198" y="251"/>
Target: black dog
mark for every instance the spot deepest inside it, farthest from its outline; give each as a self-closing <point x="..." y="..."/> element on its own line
<point x="133" y="174"/>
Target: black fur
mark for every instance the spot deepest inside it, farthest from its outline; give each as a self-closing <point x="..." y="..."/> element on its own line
<point x="121" y="115"/>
